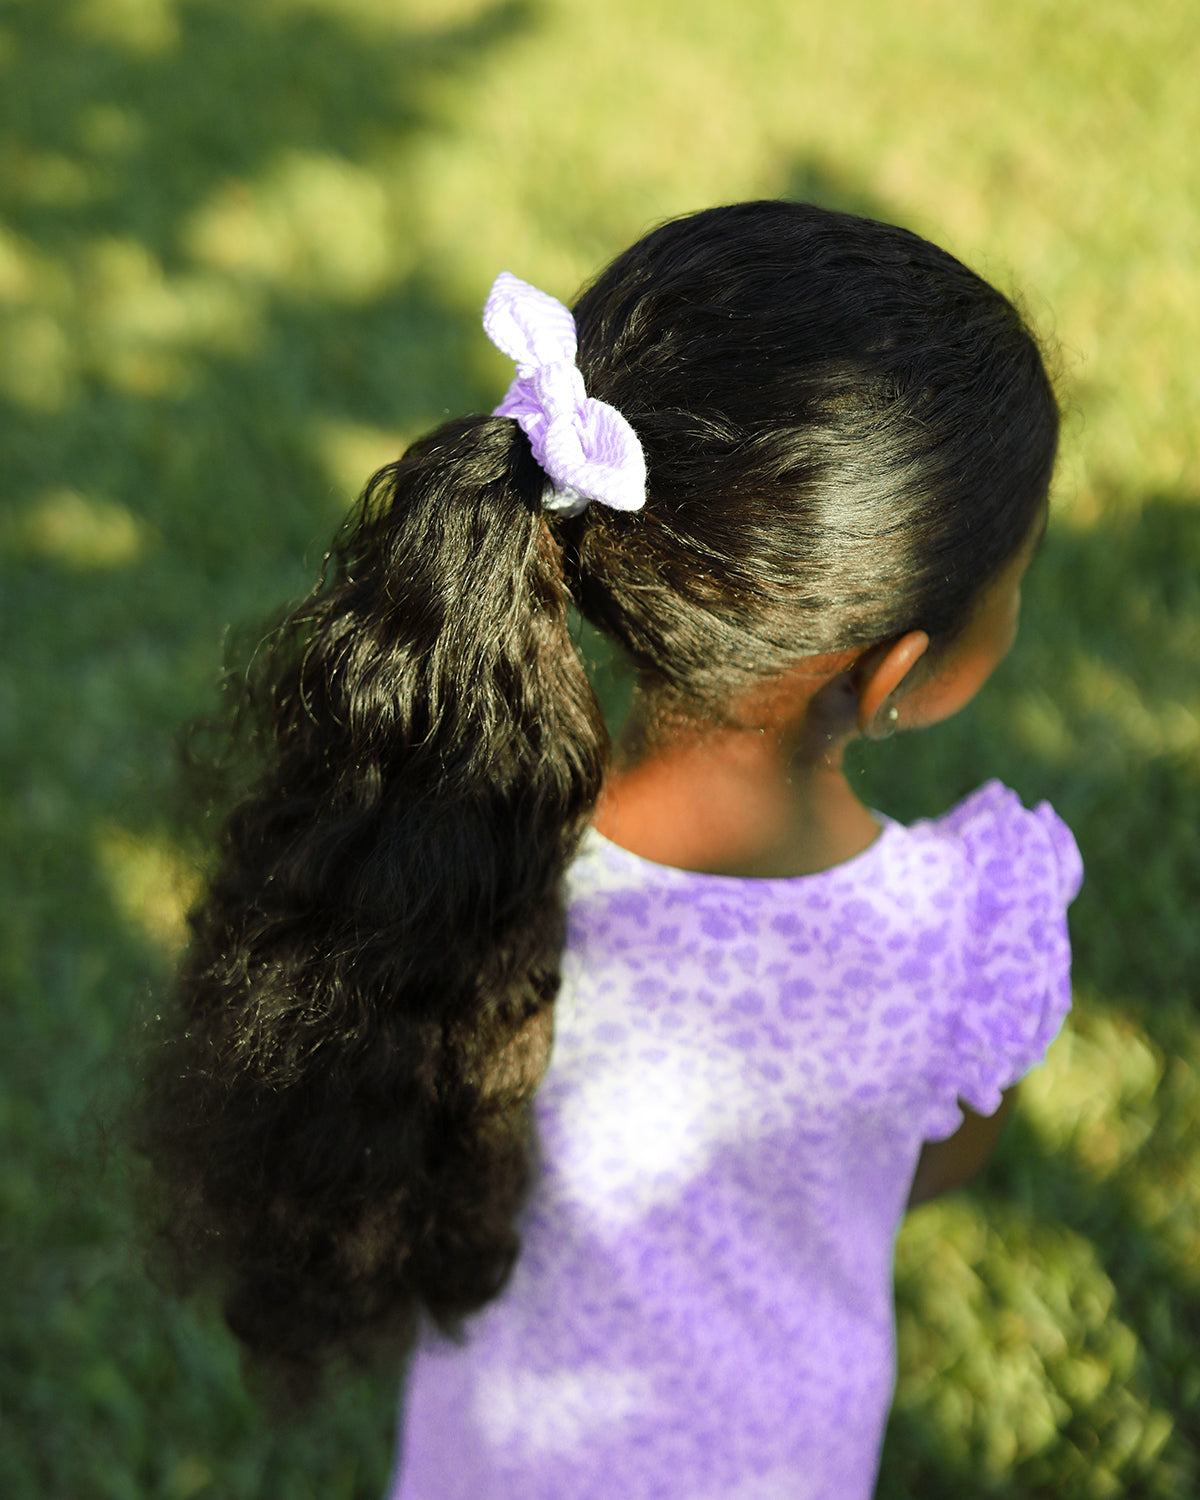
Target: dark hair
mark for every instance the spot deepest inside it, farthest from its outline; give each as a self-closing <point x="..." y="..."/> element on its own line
<point x="847" y="435"/>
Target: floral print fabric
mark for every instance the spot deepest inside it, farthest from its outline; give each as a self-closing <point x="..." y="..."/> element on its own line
<point x="742" y="1077"/>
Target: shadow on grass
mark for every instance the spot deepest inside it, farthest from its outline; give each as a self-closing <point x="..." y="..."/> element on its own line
<point x="208" y="481"/>
<point x="115" y="129"/>
<point x="813" y="181"/>
<point x="139" y="518"/>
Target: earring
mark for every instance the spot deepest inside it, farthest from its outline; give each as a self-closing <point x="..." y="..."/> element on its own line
<point x="891" y="722"/>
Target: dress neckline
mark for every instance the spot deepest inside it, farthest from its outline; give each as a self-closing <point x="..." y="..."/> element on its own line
<point x="887" y="826"/>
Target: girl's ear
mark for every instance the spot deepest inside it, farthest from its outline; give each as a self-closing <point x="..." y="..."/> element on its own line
<point x="879" y="672"/>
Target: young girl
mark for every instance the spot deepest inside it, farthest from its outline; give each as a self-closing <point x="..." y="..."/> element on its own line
<point x="794" y="463"/>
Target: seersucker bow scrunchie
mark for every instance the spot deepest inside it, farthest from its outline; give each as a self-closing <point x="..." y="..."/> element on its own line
<point x="586" y="448"/>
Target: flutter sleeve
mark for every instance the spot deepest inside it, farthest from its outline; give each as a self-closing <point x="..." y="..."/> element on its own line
<point x="1021" y="871"/>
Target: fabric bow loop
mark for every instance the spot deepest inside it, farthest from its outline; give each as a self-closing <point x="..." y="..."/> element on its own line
<point x="586" y="448"/>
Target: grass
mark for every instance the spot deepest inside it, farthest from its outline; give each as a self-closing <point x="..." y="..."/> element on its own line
<point x="243" y="248"/>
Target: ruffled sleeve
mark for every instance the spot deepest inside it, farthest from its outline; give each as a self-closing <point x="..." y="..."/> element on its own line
<point x="1021" y="871"/>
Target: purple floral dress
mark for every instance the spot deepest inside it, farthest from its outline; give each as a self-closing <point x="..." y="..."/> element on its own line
<point x="743" y="1074"/>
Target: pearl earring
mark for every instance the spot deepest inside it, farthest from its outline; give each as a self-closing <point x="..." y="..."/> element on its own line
<point x="889" y="725"/>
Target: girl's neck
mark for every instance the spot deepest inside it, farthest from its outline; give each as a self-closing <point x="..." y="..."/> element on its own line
<point x="734" y="802"/>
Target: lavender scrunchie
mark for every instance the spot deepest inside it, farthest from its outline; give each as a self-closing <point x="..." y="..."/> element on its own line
<point x="586" y="447"/>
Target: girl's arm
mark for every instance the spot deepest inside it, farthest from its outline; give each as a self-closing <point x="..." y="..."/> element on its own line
<point x="948" y="1164"/>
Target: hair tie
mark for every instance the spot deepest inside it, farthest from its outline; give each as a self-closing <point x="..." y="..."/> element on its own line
<point x="586" y="448"/>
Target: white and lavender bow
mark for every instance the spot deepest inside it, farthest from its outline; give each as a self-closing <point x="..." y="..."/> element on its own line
<point x="586" y="448"/>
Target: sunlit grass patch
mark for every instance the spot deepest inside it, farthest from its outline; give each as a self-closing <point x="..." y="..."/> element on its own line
<point x="351" y="451"/>
<point x="140" y="26"/>
<point x="78" y="532"/>
<point x="152" y="885"/>
<point x="1094" y="1098"/>
<point x="139" y="325"/>
<point x="1015" y="1358"/>
<point x="38" y="362"/>
<point x="313" y="224"/>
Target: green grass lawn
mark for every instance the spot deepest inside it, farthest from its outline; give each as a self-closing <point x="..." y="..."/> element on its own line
<point x="243" y="249"/>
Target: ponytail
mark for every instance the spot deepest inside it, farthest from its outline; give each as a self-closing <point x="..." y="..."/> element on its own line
<point x="367" y="998"/>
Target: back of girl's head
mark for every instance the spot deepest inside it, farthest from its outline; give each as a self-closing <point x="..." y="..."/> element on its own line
<point x="847" y="434"/>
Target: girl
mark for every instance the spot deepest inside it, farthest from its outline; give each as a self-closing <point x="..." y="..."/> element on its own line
<point x="794" y="463"/>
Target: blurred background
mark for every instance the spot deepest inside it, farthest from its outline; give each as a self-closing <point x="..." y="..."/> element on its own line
<point x="244" y="245"/>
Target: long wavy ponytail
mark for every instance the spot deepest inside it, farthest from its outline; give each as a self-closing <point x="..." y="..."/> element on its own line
<point x="367" y="997"/>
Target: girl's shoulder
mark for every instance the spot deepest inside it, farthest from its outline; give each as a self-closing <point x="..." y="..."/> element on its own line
<point x="946" y="939"/>
<point x="989" y="839"/>
<point x="1005" y="844"/>
<point x="1013" y="872"/>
